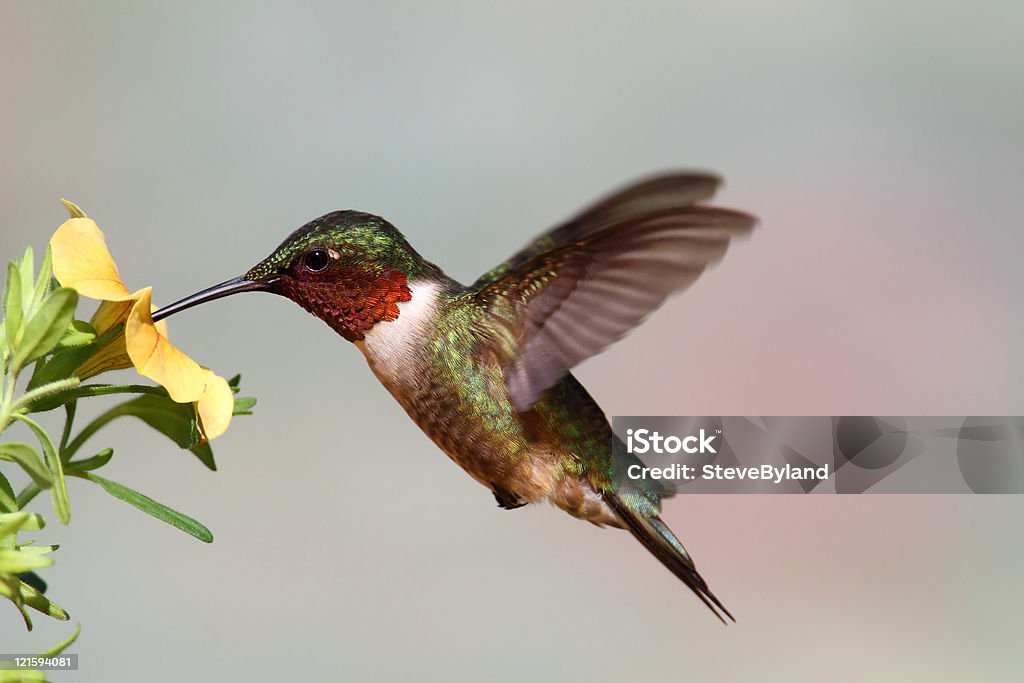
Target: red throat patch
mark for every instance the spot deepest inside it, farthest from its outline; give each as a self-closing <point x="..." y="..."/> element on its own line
<point x="353" y="304"/>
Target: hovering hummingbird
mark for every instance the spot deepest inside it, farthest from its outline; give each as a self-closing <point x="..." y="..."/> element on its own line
<point x="484" y="369"/>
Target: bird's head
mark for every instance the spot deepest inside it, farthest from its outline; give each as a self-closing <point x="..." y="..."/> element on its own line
<point x="348" y="268"/>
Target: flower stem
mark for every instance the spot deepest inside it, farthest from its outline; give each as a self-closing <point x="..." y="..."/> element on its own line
<point x="45" y="390"/>
<point x="27" y="494"/>
<point x="86" y="390"/>
<point x="6" y="408"/>
<point x="89" y="430"/>
<point x="69" y="420"/>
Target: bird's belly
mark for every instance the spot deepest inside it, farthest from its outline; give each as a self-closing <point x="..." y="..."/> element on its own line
<point x="464" y="427"/>
<point x="468" y="415"/>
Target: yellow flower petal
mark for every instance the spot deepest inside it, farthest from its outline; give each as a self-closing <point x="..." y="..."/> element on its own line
<point x="185" y="380"/>
<point x="110" y="314"/>
<point x="216" y="406"/>
<point x="82" y="261"/>
<point x="113" y="356"/>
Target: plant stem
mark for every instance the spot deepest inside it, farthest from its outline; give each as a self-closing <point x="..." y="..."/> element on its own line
<point x="89" y="430"/>
<point x="45" y="390"/>
<point x="69" y="420"/>
<point x="7" y="400"/>
<point x="108" y="389"/>
<point x="27" y="494"/>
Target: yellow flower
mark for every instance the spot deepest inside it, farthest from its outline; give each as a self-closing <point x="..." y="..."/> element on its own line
<point x="82" y="261"/>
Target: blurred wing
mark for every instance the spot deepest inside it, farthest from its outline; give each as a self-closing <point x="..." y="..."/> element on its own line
<point x="561" y="305"/>
<point x="658" y="193"/>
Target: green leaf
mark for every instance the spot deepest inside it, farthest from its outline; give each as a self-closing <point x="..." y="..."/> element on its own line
<point x="177" y="421"/>
<point x="46" y="327"/>
<point x="59" y="491"/>
<point x="26" y="270"/>
<point x="10" y="588"/>
<point x="34" y="599"/>
<point x="29" y="460"/>
<point x="43" y="283"/>
<point x="37" y="549"/>
<point x="60" y="647"/>
<point x="12" y="307"/>
<point x="95" y="462"/>
<point x="73" y="209"/>
<point x="244" y="405"/>
<point x="22" y="676"/>
<point x="151" y="507"/>
<point x="8" y="501"/>
<point x="79" y="333"/>
<point x="16" y="562"/>
<point x="65" y="361"/>
<point x="20" y="521"/>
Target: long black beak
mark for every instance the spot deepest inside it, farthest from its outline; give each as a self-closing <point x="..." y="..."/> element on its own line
<point x="232" y="286"/>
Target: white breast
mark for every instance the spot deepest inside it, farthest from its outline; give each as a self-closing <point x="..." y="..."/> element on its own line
<point x="392" y="347"/>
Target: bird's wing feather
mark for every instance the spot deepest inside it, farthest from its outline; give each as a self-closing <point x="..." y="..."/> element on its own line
<point x="661" y="192"/>
<point x="562" y="304"/>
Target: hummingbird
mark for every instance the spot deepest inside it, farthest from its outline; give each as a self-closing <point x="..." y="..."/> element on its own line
<point x="484" y="369"/>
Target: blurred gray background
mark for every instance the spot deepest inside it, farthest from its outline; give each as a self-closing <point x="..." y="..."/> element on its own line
<point x="879" y="142"/>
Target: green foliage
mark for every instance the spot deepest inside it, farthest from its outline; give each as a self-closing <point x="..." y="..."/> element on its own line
<point x="45" y="328"/>
<point x="70" y="357"/>
<point x="28" y="458"/>
<point x="39" y="332"/>
<point x="151" y="507"/>
<point x="25" y="675"/>
<point x="176" y="421"/>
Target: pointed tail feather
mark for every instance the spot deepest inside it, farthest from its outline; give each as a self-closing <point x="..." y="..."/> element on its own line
<point x="655" y="535"/>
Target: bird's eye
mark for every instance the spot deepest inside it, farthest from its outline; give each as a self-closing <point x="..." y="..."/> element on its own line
<point x="316" y="259"/>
